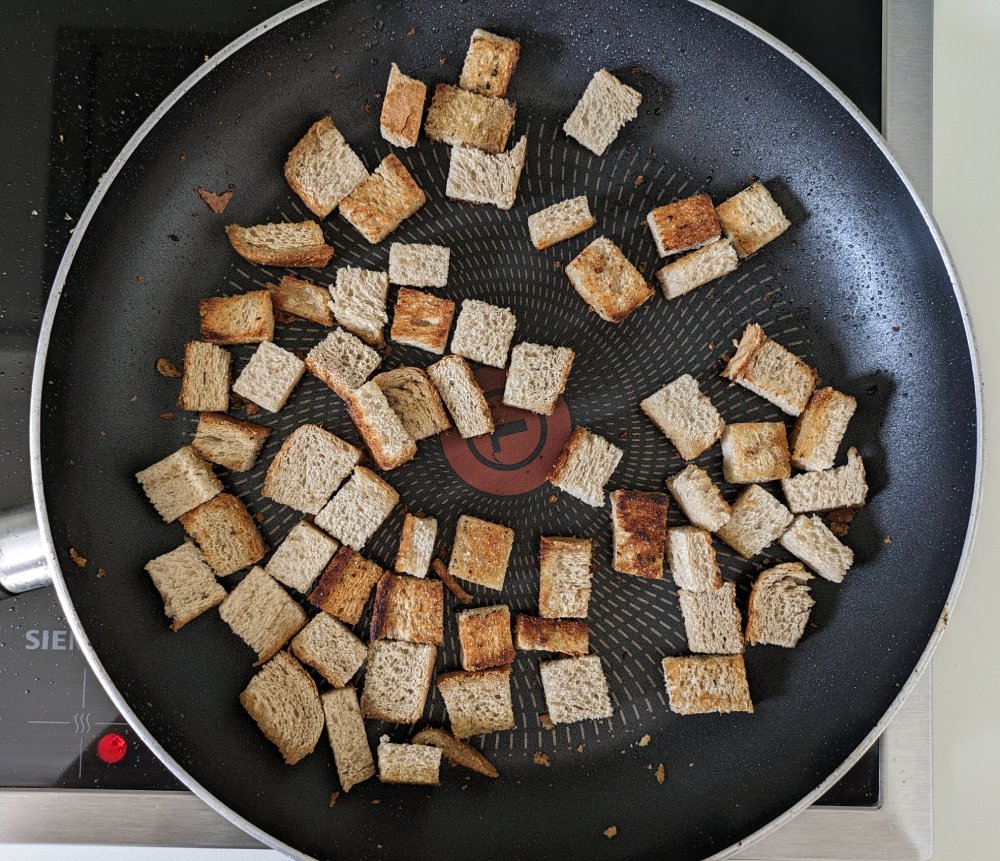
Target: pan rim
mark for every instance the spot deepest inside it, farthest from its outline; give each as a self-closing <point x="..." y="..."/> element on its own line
<point x="37" y="392"/>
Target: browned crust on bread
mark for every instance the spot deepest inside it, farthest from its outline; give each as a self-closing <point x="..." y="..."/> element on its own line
<point x="811" y="427"/>
<point x="422" y="320"/>
<point x="489" y="64"/>
<point x="685" y="224"/>
<point x="707" y="702"/>
<point x="568" y="452"/>
<point x="380" y="204"/>
<point x="200" y="524"/>
<point x="189" y="398"/>
<point x="408" y="608"/>
<point x="287" y="297"/>
<point x="757" y="445"/>
<point x="315" y="253"/>
<point x="345" y="584"/>
<point x="373" y="440"/>
<point x="751" y="341"/>
<point x="456" y="751"/>
<point x="403" y="107"/>
<point x="222" y="422"/>
<point x="639" y="521"/>
<point x="484" y="635"/>
<point x="481" y="552"/>
<point x="607" y="281"/>
<point x="218" y="313"/>
<point x="564" y="636"/>
<point x="450" y="582"/>
<point x="443" y="125"/>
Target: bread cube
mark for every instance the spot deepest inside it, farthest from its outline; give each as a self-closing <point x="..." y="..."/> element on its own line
<point x="769" y="370"/>
<point x="413" y="398"/>
<point x="358" y="508"/>
<point x="483" y="333"/>
<point x="270" y="377"/>
<point x="537" y="377"/>
<point x="230" y="442"/>
<point x="455" y="382"/>
<point x="408" y="608"/>
<point x="484" y="637"/>
<point x="416" y="545"/>
<point x="565" y="636"/>
<point x="322" y="169"/>
<point x="475" y="176"/>
<point x="684" y="225"/>
<point x="841" y="487"/>
<point x="205" y="383"/>
<point x="416" y="764"/>
<point x="692" y="559"/>
<point x="301" y="557"/>
<point x="697" y="496"/>
<point x="564" y="581"/>
<point x="226" y="533"/>
<point x="311" y="464"/>
<point x="179" y="483"/>
<point x="639" y="532"/>
<point x="303" y="299"/>
<point x="604" y="108"/>
<point x="489" y="63"/>
<point x="811" y="541"/>
<point x="345" y="729"/>
<point x="299" y="244"/>
<point x="402" y="109"/>
<point x="584" y="466"/>
<point x="701" y="684"/>
<point x="697" y="268"/>
<point x="330" y="648"/>
<point x="458" y="117"/>
<point x="342" y="362"/>
<point x="478" y="702"/>
<point x="418" y="265"/>
<point x="186" y="584"/>
<point x="819" y="429"/>
<point x="383" y="201"/>
<point x="397" y="679"/>
<point x="779" y="606"/>
<point x="559" y="222"/>
<point x="421" y="320"/>
<point x="607" y="281"/>
<point x="758" y="520"/>
<point x="382" y="430"/>
<point x="751" y="219"/>
<point x="575" y="689"/>
<point x="359" y="303"/>
<point x="244" y="319"/>
<point x="685" y="416"/>
<point x="262" y="614"/>
<point x="344" y="586"/>
<point x="712" y="620"/>
<point x="480" y="552"/>
<point x="755" y="452"/>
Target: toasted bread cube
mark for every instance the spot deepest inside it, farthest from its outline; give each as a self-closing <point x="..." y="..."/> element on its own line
<point x="559" y="222"/>
<point x="604" y="108"/>
<point x="230" y="442"/>
<point x="358" y="508"/>
<point x="301" y="557"/>
<point x="416" y="764"/>
<point x="186" y="584"/>
<point x="484" y="636"/>
<point x="537" y="377"/>
<point x="565" y="636"/>
<point x="455" y="382"/>
<point x="421" y="320"/>
<point x="244" y="319"/>
<point x="697" y="496"/>
<point x="483" y="333"/>
<point x="639" y="530"/>
<point x="262" y="614"/>
<point x="382" y="430"/>
<point x="712" y="620"/>
<point x="345" y="584"/>
<point x="226" y="533"/>
<point x="575" y="689"/>
<point x="322" y="169"/>
<point x="311" y="464"/>
<point x="478" y="702"/>
<point x="700" y="684"/>
<point x="397" y="679"/>
<point x="755" y="452"/>
<point x="685" y="416"/>
<point x="342" y="362"/>
<point x="684" y="225"/>
<point x="416" y="545"/>
<point x="299" y="298"/>
<point x="811" y="541"/>
<point x="270" y="377"/>
<point x="585" y="465"/>
<point x="751" y="219"/>
<point x="298" y="244"/>
<point x="283" y="700"/>
<point x="564" y="582"/>
<point x="819" y="429"/>
<point x="458" y="117"/>
<point x="345" y="730"/>
<point x="692" y="559"/>
<point x="383" y="201"/>
<point x="330" y="648"/>
<point x="359" y="303"/>
<point x="779" y="606"/>
<point x="607" y="281"/>
<point x="455" y="751"/>
<point x="830" y="489"/>
<point x="489" y="63"/>
<point x="481" y="551"/>
<point x="758" y="521"/>
<point x="417" y="265"/>
<point x="179" y="483"/>
<point x="408" y="608"/>
<point x="698" y="268"/>
<point x="205" y="384"/>
<point x="475" y="176"/>
<point x="413" y="398"/>
<point x="402" y="109"/>
<point x="769" y="370"/>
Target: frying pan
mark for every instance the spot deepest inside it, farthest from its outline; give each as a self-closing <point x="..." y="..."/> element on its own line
<point x="861" y="287"/>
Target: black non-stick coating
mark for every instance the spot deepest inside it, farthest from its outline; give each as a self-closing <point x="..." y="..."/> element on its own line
<point x="857" y="287"/>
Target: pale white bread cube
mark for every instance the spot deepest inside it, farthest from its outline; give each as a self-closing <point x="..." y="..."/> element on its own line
<point x="475" y="176"/>
<point x="230" y="442"/>
<point x="489" y="63"/>
<point x="767" y="369"/>
<point x="478" y="702"/>
<point x="226" y="534"/>
<point x="205" y="382"/>
<point x="408" y="608"/>
<point x="810" y="541"/>
<point x="698" y="498"/>
<point x="697" y="268"/>
<point x="455" y="382"/>
<point x="779" y="606"/>
<point x="247" y="318"/>
<point x="712" y="620"/>
<point x="416" y="545"/>
<point x="755" y="452"/>
<point x="604" y="108"/>
<point x="480" y="552"/>
<point x="458" y="117"/>
<point x="565" y="577"/>
<point x="186" y="584"/>
<point x="270" y="377"/>
<point x="284" y="244"/>
<point x="483" y="333"/>
<point x="484" y="637"/>
<point x="585" y="465"/>
<point x="397" y="679"/>
<point x="684" y="225"/>
<point x="345" y="730"/>
<point x="383" y="201"/>
<point x="179" y="483"/>
<point x="537" y="377"/>
<point x="751" y="219"/>
<point x="345" y="585"/>
<point x="559" y="222"/>
<point x="358" y="508"/>
<point x="639" y="532"/>
<point x="303" y="299"/>
<point x="421" y="320"/>
<point x="417" y="764"/>
<point x="702" y="684"/>
<point x="758" y="521"/>
<point x="322" y="169"/>
<point x="692" y="559"/>
<point x="418" y="265"/>
<point x="382" y="430"/>
<point x="575" y="689"/>
<point x="262" y="614"/>
<point x="402" y="108"/>
<point x="819" y="429"/>
<point x="301" y="557"/>
<point x="841" y="487"/>
<point x="311" y="464"/>
<point x="685" y="416"/>
<point x="413" y="398"/>
<point x="359" y="303"/>
<point x="329" y="647"/>
<point x="342" y="361"/>
<point x="607" y="281"/>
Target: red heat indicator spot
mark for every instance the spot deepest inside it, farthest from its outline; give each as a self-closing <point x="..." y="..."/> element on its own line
<point x="112" y="748"/>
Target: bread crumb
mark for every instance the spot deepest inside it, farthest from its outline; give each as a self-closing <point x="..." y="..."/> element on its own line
<point x="333" y="798"/>
<point x="133" y="399"/>
<point x="661" y="774"/>
<point x="259" y="517"/>
<point x="336" y="76"/>
<point x="412" y="31"/>
<point x="438" y="566"/>
<point x="78" y="560"/>
<point x="140" y="278"/>
<point x="887" y="539"/>
<point x="639" y="180"/>
<point x="166" y="368"/>
<point x="216" y="202"/>
<point x="839" y="521"/>
<point x="611" y="832"/>
<point x="100" y="573"/>
<point x="182" y="158"/>
<point x="895" y="328"/>
<point x="553" y="499"/>
<point x="546" y="721"/>
<point x="557" y="264"/>
<point x="580" y="748"/>
<point x="644" y="740"/>
<point x="376" y="801"/>
<point x="167" y="416"/>
<point x="441" y="61"/>
<point x="251" y="409"/>
<point x="540" y="758"/>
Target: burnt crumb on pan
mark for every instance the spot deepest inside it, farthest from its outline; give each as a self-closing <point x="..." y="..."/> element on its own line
<point x="611" y="832"/>
<point x="216" y="202"/>
<point x="173" y="237"/>
<point x="140" y="278"/>
<point x="167" y="416"/>
<point x="442" y="572"/>
<point x="545" y="722"/>
<point x="553" y="499"/>
<point x="639" y="180"/>
<point x="441" y="61"/>
<point x="839" y="521"/>
<point x="166" y="368"/>
<point x="259" y="517"/>
<point x="250" y="408"/>
<point x="540" y="758"/>
<point x="100" y="573"/>
<point x="182" y="158"/>
<point x="78" y="560"/>
<point x="557" y="265"/>
<point x="661" y="774"/>
<point x="895" y="328"/>
<point x="333" y="798"/>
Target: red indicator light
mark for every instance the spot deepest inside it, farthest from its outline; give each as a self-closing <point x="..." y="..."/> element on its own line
<point x="112" y="748"/>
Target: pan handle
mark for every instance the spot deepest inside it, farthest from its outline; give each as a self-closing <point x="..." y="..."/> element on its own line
<point x="24" y="562"/>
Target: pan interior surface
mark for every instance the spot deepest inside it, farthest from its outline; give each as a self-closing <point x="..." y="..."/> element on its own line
<point x="857" y="287"/>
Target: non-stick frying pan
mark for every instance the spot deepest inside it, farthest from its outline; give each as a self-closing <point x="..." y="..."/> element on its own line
<point x="860" y="287"/>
